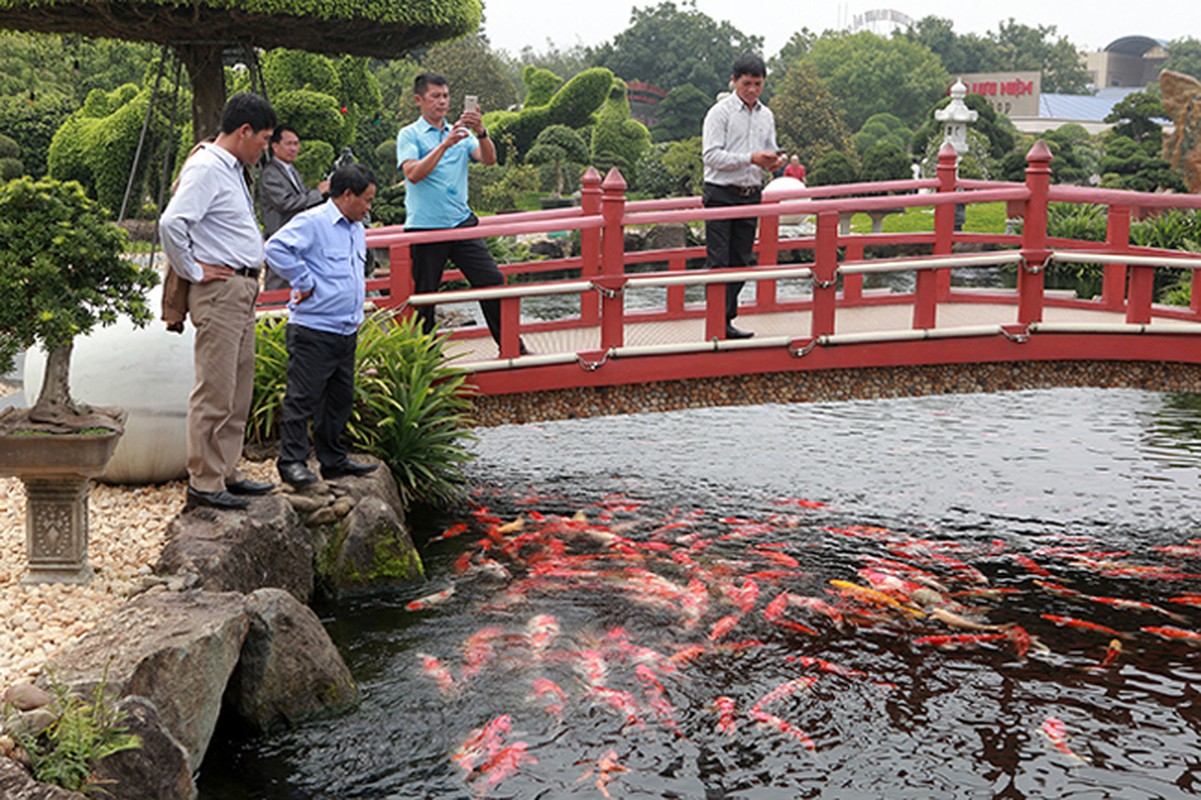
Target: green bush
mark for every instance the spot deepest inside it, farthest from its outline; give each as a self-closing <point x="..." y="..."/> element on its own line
<point x="885" y="161"/>
<point x="617" y="139"/>
<point x="315" y="161"/>
<point x="573" y="105"/>
<point x="314" y="115"/>
<point x="389" y="205"/>
<point x="84" y="731"/>
<point x="832" y="168"/>
<point x="540" y="85"/>
<point x="411" y="409"/>
<point x="11" y="168"/>
<point x="558" y="146"/>
<point x="32" y="126"/>
<point x="9" y="147"/>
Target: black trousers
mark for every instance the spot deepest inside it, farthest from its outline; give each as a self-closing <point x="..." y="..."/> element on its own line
<point x="471" y="257"/>
<point x="320" y="386"/>
<point x="729" y="242"/>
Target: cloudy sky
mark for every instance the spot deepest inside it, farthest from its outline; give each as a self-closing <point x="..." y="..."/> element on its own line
<point x="512" y="24"/>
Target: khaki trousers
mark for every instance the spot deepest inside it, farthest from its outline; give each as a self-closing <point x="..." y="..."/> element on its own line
<point x="223" y="314"/>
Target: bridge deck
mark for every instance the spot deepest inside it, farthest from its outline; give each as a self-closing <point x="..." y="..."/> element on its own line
<point x="860" y="319"/>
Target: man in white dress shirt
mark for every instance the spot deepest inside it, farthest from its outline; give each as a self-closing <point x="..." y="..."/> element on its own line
<point x="738" y="147"/>
<point x="212" y="240"/>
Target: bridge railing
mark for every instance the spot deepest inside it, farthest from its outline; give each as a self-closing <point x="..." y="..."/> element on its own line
<point x="603" y="271"/>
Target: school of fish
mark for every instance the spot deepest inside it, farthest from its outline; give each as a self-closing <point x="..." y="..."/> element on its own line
<point x="723" y="585"/>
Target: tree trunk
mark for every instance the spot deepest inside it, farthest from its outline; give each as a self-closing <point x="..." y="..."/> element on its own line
<point x="54" y="404"/>
<point x="208" y="87"/>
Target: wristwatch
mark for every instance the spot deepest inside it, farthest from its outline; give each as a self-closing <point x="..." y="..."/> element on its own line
<point x="482" y="134"/>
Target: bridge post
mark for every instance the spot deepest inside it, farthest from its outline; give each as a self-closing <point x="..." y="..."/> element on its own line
<point x="613" y="207"/>
<point x="769" y="253"/>
<point x="590" y="244"/>
<point x="944" y="218"/>
<point x="852" y="285"/>
<point x="1031" y="278"/>
<point x="400" y="277"/>
<point x="825" y="269"/>
<point x="1117" y="236"/>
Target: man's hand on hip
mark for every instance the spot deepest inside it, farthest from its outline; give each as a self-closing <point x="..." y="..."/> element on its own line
<point x="214" y="272"/>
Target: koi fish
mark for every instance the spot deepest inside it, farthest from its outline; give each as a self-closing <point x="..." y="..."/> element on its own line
<point x="540" y="631"/>
<point x="544" y="687"/>
<point x="477" y="649"/>
<point x="1136" y="605"/>
<point x="725" y="714"/>
<point x="874" y="597"/>
<point x="686" y="654"/>
<point x="502" y="765"/>
<point x="825" y="666"/>
<point x="1187" y="600"/>
<point x="1083" y="624"/>
<point x="783" y="726"/>
<point x="1058" y="589"/>
<point x="434" y="668"/>
<point x="723" y="626"/>
<point x="1175" y="634"/>
<point x="434" y="599"/>
<point x="1056" y="732"/>
<point x="1031" y="566"/>
<point x="484" y="743"/>
<point x="952" y="640"/>
<point x="1111" y="655"/>
<point x="956" y="621"/>
<point x="820" y="606"/>
<point x="451" y="532"/>
<point x="786" y="689"/>
<point x="621" y="701"/>
<point x="606" y="765"/>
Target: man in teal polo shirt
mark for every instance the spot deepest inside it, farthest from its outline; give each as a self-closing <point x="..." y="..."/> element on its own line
<point x="434" y="157"/>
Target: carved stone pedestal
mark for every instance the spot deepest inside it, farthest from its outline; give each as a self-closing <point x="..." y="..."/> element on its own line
<point x="55" y="471"/>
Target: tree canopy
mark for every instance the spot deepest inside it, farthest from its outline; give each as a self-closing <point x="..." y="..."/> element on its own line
<point x="670" y="45"/>
<point x="808" y="119"/>
<point x="200" y="31"/>
<point x="1184" y="55"/>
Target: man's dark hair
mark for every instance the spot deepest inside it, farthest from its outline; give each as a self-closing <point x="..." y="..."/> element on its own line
<point x="280" y="130"/>
<point x="245" y="108"/>
<point x="422" y="82"/>
<point x="749" y="64"/>
<point x="354" y="177"/>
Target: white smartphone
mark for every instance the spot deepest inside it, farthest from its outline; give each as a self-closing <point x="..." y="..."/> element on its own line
<point x="471" y="103"/>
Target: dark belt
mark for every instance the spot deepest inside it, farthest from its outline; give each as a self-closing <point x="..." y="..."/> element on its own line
<point x="741" y="191"/>
<point x="249" y="272"/>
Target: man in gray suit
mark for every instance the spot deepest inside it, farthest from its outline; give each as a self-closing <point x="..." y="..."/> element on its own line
<point x="282" y="193"/>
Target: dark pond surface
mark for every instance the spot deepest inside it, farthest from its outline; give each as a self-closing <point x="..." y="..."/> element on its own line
<point x="663" y="622"/>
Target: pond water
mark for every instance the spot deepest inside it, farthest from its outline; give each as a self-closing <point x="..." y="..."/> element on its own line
<point x="686" y="610"/>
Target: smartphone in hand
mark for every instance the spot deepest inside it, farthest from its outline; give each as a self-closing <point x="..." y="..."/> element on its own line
<point x="471" y="103"/>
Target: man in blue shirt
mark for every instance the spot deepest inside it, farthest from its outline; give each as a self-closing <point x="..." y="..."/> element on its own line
<point x="321" y="253"/>
<point x="434" y="157"/>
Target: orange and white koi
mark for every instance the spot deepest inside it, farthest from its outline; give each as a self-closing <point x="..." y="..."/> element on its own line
<point x="1187" y="600"/>
<point x="725" y="714"/>
<point x="688" y="653"/>
<point x="484" y="743"/>
<point x="545" y="687"/>
<point x="1111" y="655"/>
<point x="434" y="668"/>
<point x="905" y="591"/>
<point x="723" y="626"/>
<point x="1058" y="589"/>
<point x="478" y="649"/>
<point x="591" y="665"/>
<point x="605" y="768"/>
<point x="874" y="597"/>
<point x="819" y="606"/>
<point x="783" y="726"/>
<point x="1136" y="605"/>
<point x="621" y="701"/>
<point x="1083" y="624"/>
<point x="451" y="532"/>
<point x="1175" y="634"/>
<point x="502" y="765"/>
<point x="541" y="631"/>
<point x="825" y="666"/>
<point x="957" y="621"/>
<point x="1031" y="566"/>
<point x="785" y="689"/>
<point x="1056" y="732"/>
<point x="422" y="603"/>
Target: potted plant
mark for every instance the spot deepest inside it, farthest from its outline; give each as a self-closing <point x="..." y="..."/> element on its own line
<point x="61" y="274"/>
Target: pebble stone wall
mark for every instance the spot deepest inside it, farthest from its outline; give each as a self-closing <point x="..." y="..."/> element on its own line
<point x="832" y="385"/>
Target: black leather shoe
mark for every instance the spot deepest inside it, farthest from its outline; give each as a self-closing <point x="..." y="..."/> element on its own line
<point x="296" y="473"/>
<point x="737" y="333"/>
<point x="223" y="500"/>
<point x="348" y="468"/>
<point x="248" y="487"/>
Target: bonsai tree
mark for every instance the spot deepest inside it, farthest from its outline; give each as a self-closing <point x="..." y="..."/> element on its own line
<point x="61" y="274"/>
<point x="557" y="145"/>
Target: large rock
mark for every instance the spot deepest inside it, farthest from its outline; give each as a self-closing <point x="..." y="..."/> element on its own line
<point x="1182" y="99"/>
<point x="158" y="769"/>
<point x="290" y="671"/>
<point x="372" y="548"/>
<point x="240" y="552"/>
<point x="17" y="784"/>
<point x="175" y="649"/>
<point x="113" y="366"/>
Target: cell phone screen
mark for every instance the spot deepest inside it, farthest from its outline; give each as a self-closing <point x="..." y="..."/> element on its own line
<point x="471" y="103"/>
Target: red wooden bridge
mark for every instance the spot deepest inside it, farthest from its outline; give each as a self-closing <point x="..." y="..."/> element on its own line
<point x="833" y="322"/>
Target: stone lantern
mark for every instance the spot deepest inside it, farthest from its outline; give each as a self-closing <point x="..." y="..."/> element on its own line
<point x="955" y="118"/>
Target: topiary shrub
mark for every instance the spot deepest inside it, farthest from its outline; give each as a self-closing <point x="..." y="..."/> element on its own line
<point x="574" y="105"/>
<point x="540" y="85"/>
<point x="315" y="116"/>
<point x="558" y="146"/>
<point x="885" y="161"/>
<point x="832" y="168"/>
<point x="617" y="139"/>
<point x="315" y="161"/>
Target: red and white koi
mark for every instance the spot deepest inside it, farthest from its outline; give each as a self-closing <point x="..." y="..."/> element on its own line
<point x="483" y="743"/>
<point x="1136" y="605"/>
<point x="1111" y="655"/>
<point x="786" y="689"/>
<point x="541" y="631"/>
<point x="605" y="769"/>
<point x="950" y="641"/>
<point x="1054" y="729"/>
<point x="725" y="714"/>
<point x="437" y="598"/>
<point x="723" y="626"/>
<point x="1175" y="634"/>
<point x="545" y="687"/>
<point x="620" y="701"/>
<point x="441" y="674"/>
<point x="783" y="726"/>
<point x="1084" y="625"/>
<point x="502" y="765"/>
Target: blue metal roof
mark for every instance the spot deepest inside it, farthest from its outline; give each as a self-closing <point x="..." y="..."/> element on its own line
<point x="1083" y="107"/>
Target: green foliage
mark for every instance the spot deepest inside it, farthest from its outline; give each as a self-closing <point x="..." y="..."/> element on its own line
<point x="885" y="161"/>
<point x="671" y="169"/>
<point x="976" y="163"/>
<point x="1086" y="222"/>
<point x="9" y="148"/>
<point x="10" y="162"/>
<point x="61" y="268"/>
<point x="32" y="126"/>
<point x="574" y="105"/>
<point x="831" y="168"/>
<point x="315" y="160"/>
<point x="1174" y="229"/>
<point x="1129" y="165"/>
<point x="540" y="85"/>
<point x="794" y="50"/>
<point x="1023" y="48"/>
<point x="84" y="731"/>
<point x="681" y="114"/>
<point x="285" y="70"/>
<point x="959" y="54"/>
<point x="470" y="67"/>
<point x="389" y="205"/>
<point x="870" y="74"/>
<point x="617" y="139"/>
<point x="670" y="45"/>
<point x="1184" y="55"/>
<point x="1135" y="116"/>
<point x="97" y="144"/>
<point x="882" y="128"/>
<point x="1074" y="160"/>
<point x="411" y="409"/>
<point x="654" y="179"/>
<point x="996" y="128"/>
<point x="53" y="67"/>
<point x="315" y="116"/>
<point x="505" y="194"/>
<point x="809" y="121"/>
<point x="558" y="145"/>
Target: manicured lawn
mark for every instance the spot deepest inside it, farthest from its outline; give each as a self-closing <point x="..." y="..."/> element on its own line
<point x="981" y="218"/>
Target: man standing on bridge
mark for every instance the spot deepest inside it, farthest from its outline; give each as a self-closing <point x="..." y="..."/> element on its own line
<point x="738" y="147"/>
